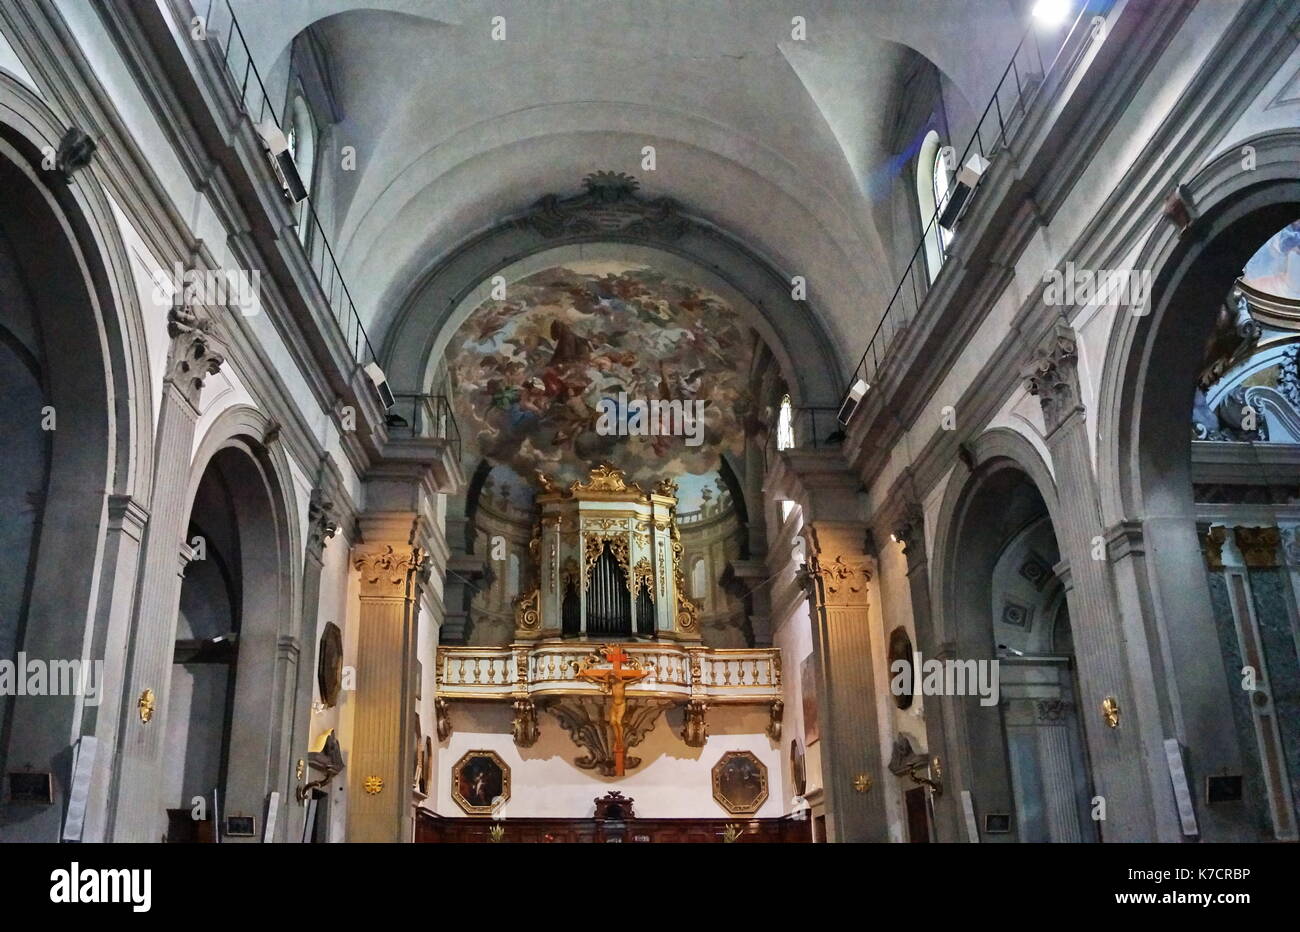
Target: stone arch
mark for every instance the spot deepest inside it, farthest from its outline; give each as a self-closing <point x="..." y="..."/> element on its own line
<point x="267" y="575"/>
<point x="1144" y="446"/>
<point x="1003" y="476"/>
<point x="1236" y="211"/>
<point x="94" y="375"/>
<point x="441" y="301"/>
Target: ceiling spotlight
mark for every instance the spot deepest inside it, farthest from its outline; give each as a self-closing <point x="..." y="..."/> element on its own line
<point x="1051" y="13"/>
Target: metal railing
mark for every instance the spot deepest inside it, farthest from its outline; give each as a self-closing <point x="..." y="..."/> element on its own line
<point x="1002" y="118"/>
<point x="812" y="427"/>
<point x="424" y="417"/>
<point x="246" y="83"/>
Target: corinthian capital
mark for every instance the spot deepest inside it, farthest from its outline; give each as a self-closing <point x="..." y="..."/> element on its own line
<point x="909" y="531"/>
<point x="837" y="581"/>
<point x="1053" y="375"/>
<point x="384" y="572"/>
<point x="194" y="354"/>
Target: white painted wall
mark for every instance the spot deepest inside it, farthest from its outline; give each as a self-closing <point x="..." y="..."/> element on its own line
<point x="673" y="781"/>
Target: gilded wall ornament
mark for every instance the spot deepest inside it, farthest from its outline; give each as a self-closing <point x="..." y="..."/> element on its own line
<point x="442" y="718"/>
<point x="643" y="577"/>
<point x="373" y="785"/>
<point x="527" y="610"/>
<point x="1110" y="711"/>
<point x="775" y="716"/>
<point x="145" y="706"/>
<point x="586" y="721"/>
<point x="524" y="728"/>
<point x="695" y="729"/>
<point x="1214" y="540"/>
<point x="1259" y="546"/>
<point x="605" y="478"/>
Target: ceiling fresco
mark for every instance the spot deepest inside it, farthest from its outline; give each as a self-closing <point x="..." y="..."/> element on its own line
<point x="533" y="373"/>
<point x="1275" y="268"/>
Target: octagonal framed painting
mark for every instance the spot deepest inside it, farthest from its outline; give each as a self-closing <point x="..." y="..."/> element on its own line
<point x="477" y="779"/>
<point x="740" y="782"/>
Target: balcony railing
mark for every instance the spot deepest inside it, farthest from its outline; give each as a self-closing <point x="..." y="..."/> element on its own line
<point x="1002" y="118"/>
<point x="246" y="83"/>
<point x="424" y="417"/>
<point x="812" y="427"/>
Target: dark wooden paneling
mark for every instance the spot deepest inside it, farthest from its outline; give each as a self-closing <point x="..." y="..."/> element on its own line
<point x="433" y="829"/>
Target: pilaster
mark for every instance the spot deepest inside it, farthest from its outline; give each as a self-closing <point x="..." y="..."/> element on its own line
<point x="139" y="813"/>
<point x="1121" y="764"/>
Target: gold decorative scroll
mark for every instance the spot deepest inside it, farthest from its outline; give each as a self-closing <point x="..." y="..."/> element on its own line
<point x="527" y="610"/>
<point x="688" y="613"/>
<point x="643" y="575"/>
<point x="618" y="546"/>
<point x="594" y="546"/>
<point x="605" y="478"/>
<point x="666" y="488"/>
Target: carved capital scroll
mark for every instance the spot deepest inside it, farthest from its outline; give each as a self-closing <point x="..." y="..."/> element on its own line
<point x="1052" y="376"/>
<point x="385" y="572"/>
<point x="193" y="355"/>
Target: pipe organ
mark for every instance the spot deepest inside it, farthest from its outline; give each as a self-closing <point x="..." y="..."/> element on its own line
<point x="607" y="561"/>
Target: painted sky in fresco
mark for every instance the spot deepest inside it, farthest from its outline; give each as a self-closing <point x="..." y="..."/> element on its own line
<point x="529" y="371"/>
<point x="1275" y="268"/>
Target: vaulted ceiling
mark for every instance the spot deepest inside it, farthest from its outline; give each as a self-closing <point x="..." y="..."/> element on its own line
<point x="780" y="142"/>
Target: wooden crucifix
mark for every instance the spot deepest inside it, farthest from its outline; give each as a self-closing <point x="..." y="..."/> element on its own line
<point x="614" y="680"/>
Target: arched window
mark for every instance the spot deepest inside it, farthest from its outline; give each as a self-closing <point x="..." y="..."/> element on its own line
<point x="301" y="136"/>
<point x="699" y="580"/>
<point x="941" y="176"/>
<point x="785" y="425"/>
<point x="933" y="187"/>
<point x="512" y="576"/>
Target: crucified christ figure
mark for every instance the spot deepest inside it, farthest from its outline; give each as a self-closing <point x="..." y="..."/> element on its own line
<point x="614" y="681"/>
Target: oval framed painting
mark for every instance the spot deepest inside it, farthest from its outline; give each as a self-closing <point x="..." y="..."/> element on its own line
<point x="329" y="665"/>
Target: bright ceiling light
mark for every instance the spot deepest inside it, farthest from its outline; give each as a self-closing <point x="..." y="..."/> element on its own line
<point x="1051" y="12"/>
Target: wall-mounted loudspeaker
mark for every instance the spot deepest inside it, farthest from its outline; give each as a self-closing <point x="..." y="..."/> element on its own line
<point x="851" y="400"/>
<point x="968" y="178"/>
<point x="282" y="160"/>
<point x="380" y="381"/>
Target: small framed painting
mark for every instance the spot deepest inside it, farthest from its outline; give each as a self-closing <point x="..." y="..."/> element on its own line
<point x="740" y="782"/>
<point x="478" y="778"/>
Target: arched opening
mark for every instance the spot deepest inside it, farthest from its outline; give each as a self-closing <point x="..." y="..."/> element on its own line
<point x="1006" y="604"/>
<point x="301" y="136"/>
<point x="66" y="443"/>
<point x="227" y="718"/>
<point x="1214" y="511"/>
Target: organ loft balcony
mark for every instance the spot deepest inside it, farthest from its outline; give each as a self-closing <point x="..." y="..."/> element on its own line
<point x="607" y="638"/>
